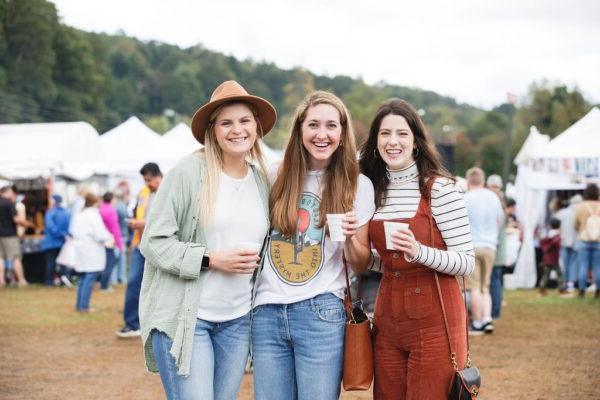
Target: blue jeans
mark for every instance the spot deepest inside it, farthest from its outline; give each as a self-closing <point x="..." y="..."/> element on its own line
<point x="84" y="289"/>
<point x="298" y="349"/>
<point x="568" y="256"/>
<point x="111" y="260"/>
<point x="588" y="255"/>
<point x="50" y="256"/>
<point x="120" y="271"/>
<point x="219" y="354"/>
<point x="496" y="290"/>
<point x="132" y="294"/>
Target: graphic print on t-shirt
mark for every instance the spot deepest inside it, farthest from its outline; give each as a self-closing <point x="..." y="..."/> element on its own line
<point x="297" y="260"/>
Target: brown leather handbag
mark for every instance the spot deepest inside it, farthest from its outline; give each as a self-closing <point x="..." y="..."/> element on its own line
<point x="358" y="345"/>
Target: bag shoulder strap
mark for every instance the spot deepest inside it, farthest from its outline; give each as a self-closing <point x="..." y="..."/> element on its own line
<point x="439" y="290"/>
<point x="348" y="303"/>
<point x="348" y="297"/>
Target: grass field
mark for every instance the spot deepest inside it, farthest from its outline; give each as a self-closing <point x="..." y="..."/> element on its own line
<point x="545" y="348"/>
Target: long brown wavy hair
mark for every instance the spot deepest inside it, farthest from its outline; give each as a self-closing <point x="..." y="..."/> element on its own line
<point x="341" y="175"/>
<point x="426" y="155"/>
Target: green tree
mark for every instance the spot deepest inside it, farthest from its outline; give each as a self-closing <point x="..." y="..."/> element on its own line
<point x="29" y="28"/>
<point x="551" y="108"/>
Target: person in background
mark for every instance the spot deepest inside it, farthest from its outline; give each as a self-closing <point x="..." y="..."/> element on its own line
<point x="56" y="223"/>
<point x="550" y="246"/>
<point x="486" y="216"/>
<point x="121" y="193"/>
<point x="10" y="246"/>
<point x="91" y="238"/>
<point x="568" y="235"/>
<point x="152" y="178"/>
<point x="79" y="203"/>
<point x="494" y="183"/>
<point x="111" y="222"/>
<point x="587" y="225"/>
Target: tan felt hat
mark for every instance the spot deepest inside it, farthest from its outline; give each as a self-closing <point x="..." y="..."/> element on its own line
<point x="232" y="91"/>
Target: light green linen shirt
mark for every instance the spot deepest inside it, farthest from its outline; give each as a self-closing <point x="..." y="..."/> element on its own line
<point x="173" y="243"/>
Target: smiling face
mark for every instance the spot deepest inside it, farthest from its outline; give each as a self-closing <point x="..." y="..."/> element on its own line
<point x="395" y="142"/>
<point x="321" y="134"/>
<point x="235" y="130"/>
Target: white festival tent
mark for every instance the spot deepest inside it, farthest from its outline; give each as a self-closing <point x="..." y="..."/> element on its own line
<point x="564" y="163"/>
<point x="70" y="149"/>
<point x="128" y="146"/>
<point x="179" y="141"/>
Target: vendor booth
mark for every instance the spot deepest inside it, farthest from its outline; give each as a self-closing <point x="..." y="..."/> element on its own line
<point x="39" y="159"/>
<point x="567" y="162"/>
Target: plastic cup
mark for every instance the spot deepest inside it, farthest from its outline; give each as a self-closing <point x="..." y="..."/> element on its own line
<point x="334" y="221"/>
<point x="389" y="228"/>
<point x="249" y="246"/>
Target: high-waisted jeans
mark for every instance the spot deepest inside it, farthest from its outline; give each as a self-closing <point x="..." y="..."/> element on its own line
<point x="298" y="349"/>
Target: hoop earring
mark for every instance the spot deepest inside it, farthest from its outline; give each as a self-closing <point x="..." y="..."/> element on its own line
<point x="375" y="152"/>
<point x="416" y="152"/>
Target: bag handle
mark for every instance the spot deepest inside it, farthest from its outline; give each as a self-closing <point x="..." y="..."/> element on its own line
<point x="439" y="290"/>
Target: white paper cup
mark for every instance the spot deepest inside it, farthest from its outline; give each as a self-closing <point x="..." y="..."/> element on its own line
<point x="334" y="221"/>
<point x="249" y="246"/>
<point x="391" y="227"/>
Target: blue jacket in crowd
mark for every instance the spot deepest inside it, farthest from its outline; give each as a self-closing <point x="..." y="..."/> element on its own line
<point x="56" y="228"/>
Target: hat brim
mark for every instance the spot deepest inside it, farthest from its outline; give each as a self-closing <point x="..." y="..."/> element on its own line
<point x="266" y="114"/>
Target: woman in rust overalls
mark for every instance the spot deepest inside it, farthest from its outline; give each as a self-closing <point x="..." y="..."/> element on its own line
<point x="412" y="352"/>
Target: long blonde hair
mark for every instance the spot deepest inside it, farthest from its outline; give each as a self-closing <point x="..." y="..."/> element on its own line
<point x="341" y="175"/>
<point x="214" y="161"/>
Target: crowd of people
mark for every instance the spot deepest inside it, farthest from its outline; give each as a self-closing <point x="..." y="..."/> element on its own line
<point x="226" y="253"/>
<point x="571" y="246"/>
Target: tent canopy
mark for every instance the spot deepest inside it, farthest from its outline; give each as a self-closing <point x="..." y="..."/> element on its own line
<point x="179" y="141"/>
<point x="582" y="139"/>
<point x="533" y="145"/>
<point x="127" y="147"/>
<point x="71" y="149"/>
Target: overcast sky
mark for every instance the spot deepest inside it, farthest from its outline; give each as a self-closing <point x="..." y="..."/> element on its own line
<point x="473" y="50"/>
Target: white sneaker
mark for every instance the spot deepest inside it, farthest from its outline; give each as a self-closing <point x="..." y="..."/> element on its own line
<point x="127" y="332"/>
<point x="66" y="281"/>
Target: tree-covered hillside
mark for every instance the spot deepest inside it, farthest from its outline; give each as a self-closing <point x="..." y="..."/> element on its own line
<point x="52" y="72"/>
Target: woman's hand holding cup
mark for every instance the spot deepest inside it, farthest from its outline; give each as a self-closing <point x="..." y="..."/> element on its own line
<point x="399" y="237"/>
<point x="242" y="260"/>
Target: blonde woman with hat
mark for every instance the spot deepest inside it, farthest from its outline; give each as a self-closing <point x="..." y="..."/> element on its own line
<point x="201" y="243"/>
<point x="298" y="319"/>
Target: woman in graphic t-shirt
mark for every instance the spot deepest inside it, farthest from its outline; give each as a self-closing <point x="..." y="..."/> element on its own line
<point x="298" y="319"/>
<point x="204" y="232"/>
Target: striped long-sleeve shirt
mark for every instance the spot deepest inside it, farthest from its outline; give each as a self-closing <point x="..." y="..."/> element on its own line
<point x="449" y="212"/>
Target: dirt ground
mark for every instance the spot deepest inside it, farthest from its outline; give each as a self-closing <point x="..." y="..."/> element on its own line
<point x="542" y="349"/>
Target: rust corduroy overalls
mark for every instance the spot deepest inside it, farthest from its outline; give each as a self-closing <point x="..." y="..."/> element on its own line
<point x="412" y="356"/>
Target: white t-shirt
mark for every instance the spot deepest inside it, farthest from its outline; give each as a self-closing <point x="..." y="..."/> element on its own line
<point x="309" y="263"/>
<point x="239" y="217"/>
